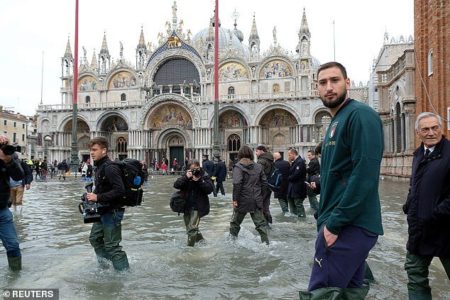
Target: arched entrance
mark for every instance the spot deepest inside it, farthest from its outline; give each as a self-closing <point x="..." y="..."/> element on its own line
<point x="175" y="145"/>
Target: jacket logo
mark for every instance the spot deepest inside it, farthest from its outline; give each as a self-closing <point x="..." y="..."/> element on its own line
<point x="333" y="129"/>
<point x="319" y="262"/>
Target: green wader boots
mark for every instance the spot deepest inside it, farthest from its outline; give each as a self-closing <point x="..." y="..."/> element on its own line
<point x="15" y="263"/>
<point x="334" y="293"/>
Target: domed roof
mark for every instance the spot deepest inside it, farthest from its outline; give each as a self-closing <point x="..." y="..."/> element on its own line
<point x="227" y="39"/>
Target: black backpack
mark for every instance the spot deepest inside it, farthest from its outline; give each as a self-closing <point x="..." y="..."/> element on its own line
<point x="133" y="179"/>
<point x="178" y="201"/>
<point x="274" y="179"/>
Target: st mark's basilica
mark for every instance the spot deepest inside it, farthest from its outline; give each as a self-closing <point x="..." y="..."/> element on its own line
<point x="162" y="106"/>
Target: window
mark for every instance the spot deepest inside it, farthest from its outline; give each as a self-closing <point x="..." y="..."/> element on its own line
<point x="15" y="124"/>
<point x="231" y="92"/>
<point x="121" y="145"/>
<point x="23" y="126"/>
<point x="234" y="142"/>
<point x="430" y="63"/>
<point x="14" y="137"/>
<point x="5" y="122"/>
<point x="123" y="97"/>
<point x="87" y="99"/>
<point x="23" y="137"/>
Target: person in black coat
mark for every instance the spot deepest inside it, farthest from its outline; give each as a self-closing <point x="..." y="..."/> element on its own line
<point x="313" y="175"/>
<point x="281" y="194"/>
<point x="428" y="206"/>
<point x="208" y="167"/>
<point x="196" y="186"/>
<point x="220" y="174"/>
<point x="297" y="187"/>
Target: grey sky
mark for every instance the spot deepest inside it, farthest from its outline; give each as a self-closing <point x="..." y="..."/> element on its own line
<point x="29" y="27"/>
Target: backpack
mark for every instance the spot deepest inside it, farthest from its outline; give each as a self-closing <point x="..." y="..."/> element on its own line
<point x="178" y="201"/>
<point x="133" y="179"/>
<point x="274" y="179"/>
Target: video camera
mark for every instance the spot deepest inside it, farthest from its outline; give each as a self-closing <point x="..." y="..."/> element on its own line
<point x="9" y="149"/>
<point x="90" y="209"/>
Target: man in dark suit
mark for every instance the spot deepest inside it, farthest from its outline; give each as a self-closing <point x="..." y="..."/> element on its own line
<point x="297" y="188"/>
<point x="428" y="206"/>
<point x="281" y="194"/>
<point x="220" y="174"/>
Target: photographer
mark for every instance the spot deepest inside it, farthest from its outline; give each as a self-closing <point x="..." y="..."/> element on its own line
<point x="196" y="186"/>
<point x="109" y="189"/>
<point x="9" y="168"/>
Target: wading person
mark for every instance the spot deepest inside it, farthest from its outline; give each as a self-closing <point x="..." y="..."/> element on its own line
<point x="220" y="172"/>
<point x="106" y="234"/>
<point x="281" y="194"/>
<point x="196" y="185"/>
<point x="296" y="193"/>
<point x="428" y="206"/>
<point x="265" y="159"/>
<point x="9" y="168"/>
<point x="349" y="216"/>
<point x="248" y="183"/>
<point x="18" y="187"/>
<point x="312" y="173"/>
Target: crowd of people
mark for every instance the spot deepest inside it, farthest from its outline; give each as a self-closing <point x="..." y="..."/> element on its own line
<point x="342" y="190"/>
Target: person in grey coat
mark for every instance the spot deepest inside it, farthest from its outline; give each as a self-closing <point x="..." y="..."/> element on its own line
<point x="248" y="183"/>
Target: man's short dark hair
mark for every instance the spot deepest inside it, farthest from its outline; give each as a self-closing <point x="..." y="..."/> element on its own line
<point x="312" y="152"/>
<point x="100" y="140"/>
<point x="332" y="64"/>
<point x="318" y="149"/>
<point x="194" y="162"/>
<point x="262" y="148"/>
<point x="245" y="152"/>
<point x="292" y="150"/>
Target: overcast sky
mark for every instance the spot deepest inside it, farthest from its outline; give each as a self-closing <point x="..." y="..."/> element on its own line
<point x="30" y="27"/>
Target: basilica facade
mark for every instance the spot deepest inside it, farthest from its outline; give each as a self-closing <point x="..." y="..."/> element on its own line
<point x="162" y="105"/>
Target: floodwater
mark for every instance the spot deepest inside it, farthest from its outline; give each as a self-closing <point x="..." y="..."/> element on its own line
<point x="57" y="254"/>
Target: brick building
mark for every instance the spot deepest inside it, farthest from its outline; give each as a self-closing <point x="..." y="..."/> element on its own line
<point x="432" y="47"/>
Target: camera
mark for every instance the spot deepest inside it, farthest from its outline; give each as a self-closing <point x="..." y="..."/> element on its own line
<point x="90" y="210"/>
<point x="9" y="149"/>
<point x="196" y="172"/>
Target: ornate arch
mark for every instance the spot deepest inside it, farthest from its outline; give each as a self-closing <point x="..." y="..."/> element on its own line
<point x="266" y="109"/>
<point x="158" y="60"/>
<point x="163" y="137"/>
<point x="68" y="118"/>
<point x="117" y="79"/>
<point x="233" y="71"/>
<point x="106" y="115"/>
<point x="271" y="59"/>
<point x="151" y="105"/>
<point x="229" y="108"/>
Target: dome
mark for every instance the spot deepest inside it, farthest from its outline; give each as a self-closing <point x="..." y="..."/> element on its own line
<point x="227" y="39"/>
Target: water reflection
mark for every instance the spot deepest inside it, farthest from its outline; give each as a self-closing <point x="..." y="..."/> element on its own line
<point x="57" y="254"/>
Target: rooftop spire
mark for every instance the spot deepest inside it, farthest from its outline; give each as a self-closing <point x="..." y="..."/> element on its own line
<point x="68" y="52"/>
<point x="94" y="65"/>
<point x="141" y="39"/>
<point x="104" y="48"/>
<point x="304" y="28"/>
<point x="254" y="31"/>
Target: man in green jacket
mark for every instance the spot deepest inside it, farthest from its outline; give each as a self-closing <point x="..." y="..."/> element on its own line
<point x="349" y="216"/>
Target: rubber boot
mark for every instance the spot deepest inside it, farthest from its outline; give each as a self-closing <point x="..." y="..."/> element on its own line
<point x="103" y="258"/>
<point x="301" y="212"/>
<point x="355" y="293"/>
<point x="330" y="293"/>
<point x="121" y="263"/>
<point x="15" y="263"/>
<point x="265" y="239"/>
<point x="419" y="294"/>
<point x="191" y="240"/>
<point x="368" y="275"/>
<point x="199" y="238"/>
